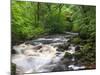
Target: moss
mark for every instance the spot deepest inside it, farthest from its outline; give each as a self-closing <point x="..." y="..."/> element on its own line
<point x="68" y="55"/>
<point x="86" y="55"/>
<point x="76" y="40"/>
<point x="13" y="69"/>
<point x="63" y="46"/>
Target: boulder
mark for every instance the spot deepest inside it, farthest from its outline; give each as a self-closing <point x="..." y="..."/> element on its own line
<point x="77" y="48"/>
<point x="64" y="46"/>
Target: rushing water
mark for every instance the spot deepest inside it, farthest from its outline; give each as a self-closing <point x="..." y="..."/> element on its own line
<point x="41" y="55"/>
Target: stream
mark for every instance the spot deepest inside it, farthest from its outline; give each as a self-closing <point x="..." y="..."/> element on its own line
<point x="44" y="55"/>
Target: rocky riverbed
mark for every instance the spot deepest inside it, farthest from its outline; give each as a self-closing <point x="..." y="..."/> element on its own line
<point x="50" y="53"/>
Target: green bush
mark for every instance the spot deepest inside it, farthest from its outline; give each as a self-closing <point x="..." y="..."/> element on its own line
<point x="86" y="55"/>
<point x="55" y="24"/>
<point x="75" y="28"/>
<point x="68" y="26"/>
<point x="76" y="40"/>
<point x="68" y="55"/>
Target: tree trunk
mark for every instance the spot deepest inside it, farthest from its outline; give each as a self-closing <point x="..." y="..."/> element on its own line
<point x="38" y="8"/>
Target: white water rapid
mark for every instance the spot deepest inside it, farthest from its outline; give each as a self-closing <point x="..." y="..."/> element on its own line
<point x="41" y="56"/>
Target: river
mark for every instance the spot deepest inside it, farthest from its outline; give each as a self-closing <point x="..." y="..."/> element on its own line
<point x="43" y="55"/>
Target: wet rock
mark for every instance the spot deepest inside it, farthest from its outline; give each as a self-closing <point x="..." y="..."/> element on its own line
<point x="13" y="51"/>
<point x="43" y="41"/>
<point x="28" y="42"/>
<point x="64" y="46"/>
<point x="76" y="67"/>
<point x="69" y="40"/>
<point x="31" y="42"/>
<point x="38" y="47"/>
<point x="77" y="48"/>
<point x="59" y="68"/>
<point x="61" y="50"/>
<point x="71" y="33"/>
<point x="66" y="61"/>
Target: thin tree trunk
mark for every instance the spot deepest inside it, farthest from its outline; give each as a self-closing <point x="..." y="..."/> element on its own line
<point x="38" y="8"/>
<point x="60" y="7"/>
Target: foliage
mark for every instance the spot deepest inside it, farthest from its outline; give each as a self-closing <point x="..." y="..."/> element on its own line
<point x="33" y="19"/>
<point x="87" y="29"/>
<point x="68" y="55"/>
<point x="76" y="40"/>
<point x="87" y="54"/>
<point x="54" y="24"/>
<point x="23" y="21"/>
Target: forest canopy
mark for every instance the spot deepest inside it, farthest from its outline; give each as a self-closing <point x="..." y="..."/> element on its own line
<point x="31" y="19"/>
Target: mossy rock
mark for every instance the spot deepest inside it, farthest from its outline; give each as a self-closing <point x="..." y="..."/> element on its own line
<point x="86" y="55"/>
<point x="76" y="40"/>
<point x="61" y="50"/>
<point x="87" y="46"/>
<point x="83" y="34"/>
<point x="77" y="55"/>
<point x="63" y="47"/>
<point x="13" y="69"/>
<point x="77" y="48"/>
<point x="68" y="55"/>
